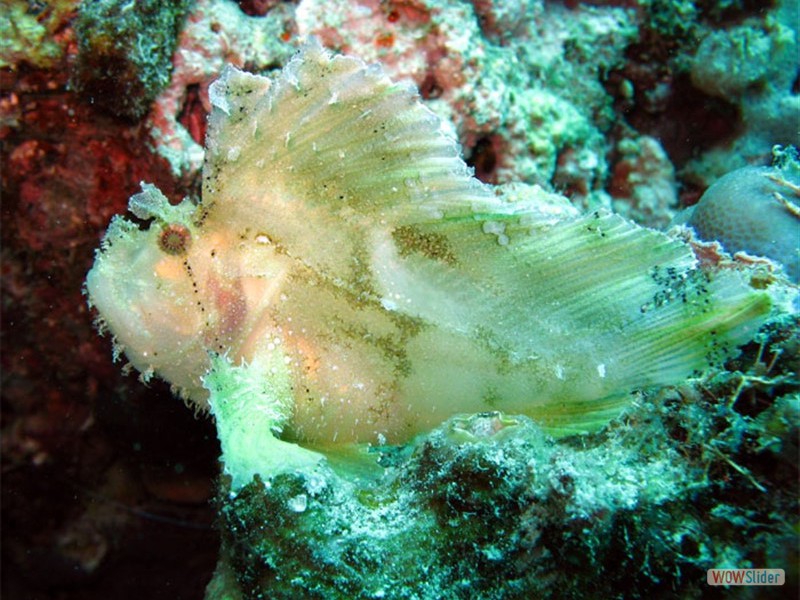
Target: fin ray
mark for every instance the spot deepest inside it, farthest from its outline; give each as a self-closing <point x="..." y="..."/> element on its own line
<point x="610" y="305"/>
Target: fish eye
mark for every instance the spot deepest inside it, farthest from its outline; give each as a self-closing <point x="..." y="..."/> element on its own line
<point x="174" y="239"/>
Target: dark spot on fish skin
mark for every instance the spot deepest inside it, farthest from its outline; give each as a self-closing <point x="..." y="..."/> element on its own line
<point x="688" y="287"/>
<point x="491" y="398"/>
<point x="410" y="240"/>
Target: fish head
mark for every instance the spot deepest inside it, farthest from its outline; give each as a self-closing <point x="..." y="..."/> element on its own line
<point x="143" y="287"/>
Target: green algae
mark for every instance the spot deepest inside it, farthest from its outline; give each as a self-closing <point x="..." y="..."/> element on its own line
<point x="28" y="33"/>
<point x="125" y="52"/>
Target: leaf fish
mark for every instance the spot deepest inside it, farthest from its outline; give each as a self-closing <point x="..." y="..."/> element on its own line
<point x="346" y="279"/>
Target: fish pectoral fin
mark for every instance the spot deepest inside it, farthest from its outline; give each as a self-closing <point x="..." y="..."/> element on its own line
<point x="250" y="403"/>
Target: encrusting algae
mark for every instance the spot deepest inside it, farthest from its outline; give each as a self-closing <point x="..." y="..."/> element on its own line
<point x="345" y="279"/>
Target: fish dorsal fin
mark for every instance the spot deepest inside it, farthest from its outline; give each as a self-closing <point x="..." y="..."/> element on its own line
<point x="337" y="143"/>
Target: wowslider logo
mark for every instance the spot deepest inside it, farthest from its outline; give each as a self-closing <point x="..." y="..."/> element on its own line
<point x="745" y="577"/>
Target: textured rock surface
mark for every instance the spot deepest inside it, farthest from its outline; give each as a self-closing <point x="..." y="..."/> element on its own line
<point x="755" y="210"/>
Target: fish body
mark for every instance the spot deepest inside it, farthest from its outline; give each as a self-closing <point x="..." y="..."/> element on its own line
<point x="343" y="252"/>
